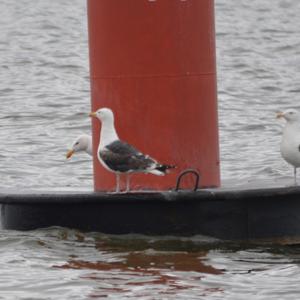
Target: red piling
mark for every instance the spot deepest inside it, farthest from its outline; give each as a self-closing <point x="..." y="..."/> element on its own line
<point x="153" y="63"/>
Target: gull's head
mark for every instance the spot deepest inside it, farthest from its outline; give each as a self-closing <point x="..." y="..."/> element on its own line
<point x="290" y="115"/>
<point x="80" y="144"/>
<point x="103" y="114"/>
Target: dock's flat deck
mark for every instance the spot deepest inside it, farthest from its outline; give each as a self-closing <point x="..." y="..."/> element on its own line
<point x="243" y="213"/>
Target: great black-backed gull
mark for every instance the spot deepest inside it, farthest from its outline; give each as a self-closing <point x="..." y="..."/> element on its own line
<point x="118" y="156"/>
<point x="82" y="144"/>
<point x="290" y="143"/>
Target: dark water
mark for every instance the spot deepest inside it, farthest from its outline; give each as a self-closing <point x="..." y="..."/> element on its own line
<point x="44" y="96"/>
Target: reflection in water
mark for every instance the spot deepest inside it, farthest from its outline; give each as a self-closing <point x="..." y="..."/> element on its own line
<point x="155" y="267"/>
<point x="149" y="263"/>
<point x="149" y="267"/>
<point x="90" y="265"/>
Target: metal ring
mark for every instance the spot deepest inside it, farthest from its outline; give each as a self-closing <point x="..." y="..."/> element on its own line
<point x="183" y="173"/>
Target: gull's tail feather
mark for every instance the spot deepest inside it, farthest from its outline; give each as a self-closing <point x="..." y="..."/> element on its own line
<point x="161" y="170"/>
<point x="165" y="168"/>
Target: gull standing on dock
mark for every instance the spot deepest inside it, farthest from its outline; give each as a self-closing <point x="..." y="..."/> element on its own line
<point x="83" y="143"/>
<point x="290" y="143"/>
<point x="118" y="156"/>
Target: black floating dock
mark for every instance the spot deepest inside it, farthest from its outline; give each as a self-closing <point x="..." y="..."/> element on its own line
<point x="229" y="214"/>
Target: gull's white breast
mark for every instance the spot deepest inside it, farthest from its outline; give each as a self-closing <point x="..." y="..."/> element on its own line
<point x="290" y="145"/>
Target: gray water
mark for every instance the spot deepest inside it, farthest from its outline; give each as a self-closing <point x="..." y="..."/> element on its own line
<point x="44" y="96"/>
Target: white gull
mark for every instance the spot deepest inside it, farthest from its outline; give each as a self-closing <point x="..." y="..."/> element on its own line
<point x="120" y="157"/>
<point x="290" y="143"/>
<point x="83" y="143"/>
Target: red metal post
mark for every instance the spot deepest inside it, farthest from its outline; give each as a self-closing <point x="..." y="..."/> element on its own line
<point x="153" y="63"/>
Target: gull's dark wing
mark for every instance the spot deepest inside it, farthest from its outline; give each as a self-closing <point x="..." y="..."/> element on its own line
<point x="122" y="157"/>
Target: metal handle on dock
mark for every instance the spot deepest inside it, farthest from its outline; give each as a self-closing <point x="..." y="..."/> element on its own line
<point x="183" y="173"/>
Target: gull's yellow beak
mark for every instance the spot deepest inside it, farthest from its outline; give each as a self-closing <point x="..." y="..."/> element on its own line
<point x="69" y="153"/>
<point x="92" y="114"/>
<point x="279" y="115"/>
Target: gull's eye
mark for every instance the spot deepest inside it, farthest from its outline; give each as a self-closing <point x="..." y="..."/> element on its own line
<point x="291" y="113"/>
<point x="77" y="143"/>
